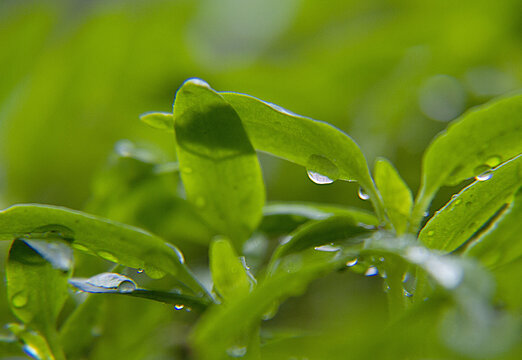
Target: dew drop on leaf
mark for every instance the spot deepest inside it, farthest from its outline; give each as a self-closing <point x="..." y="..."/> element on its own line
<point x="362" y="194"/>
<point x="318" y="178"/>
<point x="327" y="248"/>
<point x="107" y="256"/>
<point x="126" y="287"/>
<point x="179" y="306"/>
<point x="237" y="351"/>
<point x="372" y="271"/>
<point x="484" y="176"/>
<point x="351" y="263"/>
<point x="19" y="299"/>
<point x="140" y="271"/>
<point x="406" y="293"/>
<point x="31" y="351"/>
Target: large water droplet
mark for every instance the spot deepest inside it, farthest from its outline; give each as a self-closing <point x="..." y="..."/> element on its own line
<point x="372" y="271"/>
<point x="126" y="287"/>
<point x="484" y="176"/>
<point x="179" y="306"/>
<point x="327" y="248"/>
<point x="19" y="299"/>
<point x="318" y="165"/>
<point x="237" y="351"/>
<point x="318" y="178"/>
<point x="362" y="194"/>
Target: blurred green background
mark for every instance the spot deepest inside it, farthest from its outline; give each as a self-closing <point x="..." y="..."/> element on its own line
<point x="76" y="75"/>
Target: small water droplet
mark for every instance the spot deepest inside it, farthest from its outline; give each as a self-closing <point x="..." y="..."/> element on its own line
<point x="237" y="351"/>
<point x="31" y="351"/>
<point x="327" y="248"/>
<point x="351" y="263"/>
<point x="381" y="259"/>
<point x="372" y="271"/>
<point x="385" y="286"/>
<point x="200" y="201"/>
<point x="383" y="274"/>
<point x="493" y="161"/>
<point x="362" y="194"/>
<point x="484" y="176"/>
<point x="318" y="178"/>
<point x="79" y="247"/>
<point x="140" y="271"/>
<point x="406" y="293"/>
<point x="426" y="213"/>
<point x="107" y="256"/>
<point x="19" y="299"/>
<point x="126" y="287"/>
<point x="188" y="309"/>
<point x="179" y="306"/>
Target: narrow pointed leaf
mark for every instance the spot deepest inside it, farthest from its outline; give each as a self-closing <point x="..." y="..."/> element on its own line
<point x="316" y="145"/>
<point x="501" y="243"/>
<point x="36" y="291"/>
<point x="467" y="212"/>
<point x="107" y="239"/>
<point x="228" y="273"/>
<point x="480" y="139"/>
<point x="159" y="120"/>
<point x="219" y="166"/>
<point x="396" y="195"/>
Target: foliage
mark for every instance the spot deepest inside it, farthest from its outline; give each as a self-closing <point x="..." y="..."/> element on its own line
<point x="432" y="276"/>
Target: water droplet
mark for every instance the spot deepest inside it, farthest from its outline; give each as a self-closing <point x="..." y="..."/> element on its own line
<point x="140" y="271"/>
<point x="80" y="247"/>
<point x="318" y="178"/>
<point x="200" y="201"/>
<point x="385" y="286"/>
<point x="126" y="287"/>
<point x="237" y="351"/>
<point x="381" y="259"/>
<point x="372" y="271"/>
<point x="484" y="176"/>
<point x="198" y="82"/>
<point x="351" y="263"/>
<point x="362" y="194"/>
<point x="31" y="351"/>
<point x="383" y="274"/>
<point x="179" y="306"/>
<point x="493" y="161"/>
<point x="327" y="248"/>
<point x="107" y="256"/>
<point x="318" y="163"/>
<point x="406" y="293"/>
<point x="19" y="299"/>
<point x="405" y="277"/>
<point x="426" y="213"/>
<point x="188" y="309"/>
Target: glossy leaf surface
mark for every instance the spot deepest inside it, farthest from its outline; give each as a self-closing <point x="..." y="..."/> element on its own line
<point x="396" y="195"/>
<point x="159" y="120"/>
<point x="481" y="139"/>
<point x="219" y="166"/>
<point x="467" y="212"/>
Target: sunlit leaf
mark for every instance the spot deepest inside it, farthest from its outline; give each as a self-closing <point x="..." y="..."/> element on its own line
<point x="107" y="239"/>
<point x="467" y="212"/>
<point x="316" y="145"/>
<point x="396" y="195"/>
<point x="228" y="273"/>
<point x="219" y="166"/>
<point x="479" y="140"/>
<point x="36" y="291"/>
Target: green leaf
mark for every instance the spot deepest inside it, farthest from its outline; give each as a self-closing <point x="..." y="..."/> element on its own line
<point x="107" y="239"/>
<point x="230" y="277"/>
<point x="219" y="166"/>
<point x="338" y="228"/>
<point x="114" y="283"/>
<point x="36" y="292"/>
<point x="283" y="217"/>
<point x="396" y="195"/>
<point x="481" y="139"/>
<point x="501" y="244"/>
<point x="34" y="344"/>
<point x="316" y="145"/>
<point x="159" y="120"/>
<point x="78" y="332"/>
<point x="467" y="212"/>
